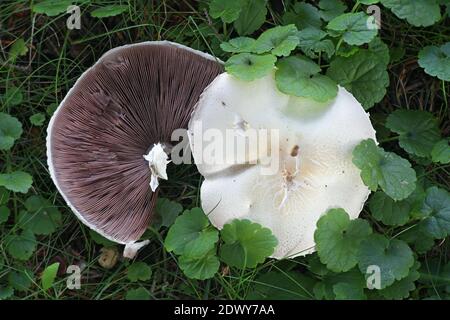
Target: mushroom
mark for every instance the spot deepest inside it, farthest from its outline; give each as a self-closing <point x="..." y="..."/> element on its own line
<point x="107" y="142"/>
<point x="302" y="165"/>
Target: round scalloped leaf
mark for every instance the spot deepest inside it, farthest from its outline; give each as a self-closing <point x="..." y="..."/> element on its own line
<point x="353" y="27"/>
<point x="37" y="119"/>
<point x="280" y="40"/>
<point x="441" y="152"/>
<point x="312" y="42"/>
<point x="346" y="291"/>
<point x="418" y="130"/>
<point x="385" y="169"/>
<point x="246" y="244"/>
<point x="227" y="10"/>
<point x="17" y="181"/>
<point x="299" y="76"/>
<point x="363" y="73"/>
<point x="21" y="280"/>
<point x="238" y="45"/>
<point x="41" y="217"/>
<point x="330" y="9"/>
<point x="10" y="131"/>
<point x="191" y="234"/>
<point x="388" y="211"/>
<point x="436" y="61"/>
<point x="419" y="13"/>
<point x="338" y="238"/>
<point x="168" y="211"/>
<point x="248" y="67"/>
<point x="400" y="289"/>
<point x="137" y="294"/>
<point x="109" y="11"/>
<point x="199" y="268"/>
<point x="52" y="7"/>
<point x="139" y="271"/>
<point x="21" y="246"/>
<point x="393" y="257"/>
<point x="437" y="224"/>
<point x="304" y="16"/>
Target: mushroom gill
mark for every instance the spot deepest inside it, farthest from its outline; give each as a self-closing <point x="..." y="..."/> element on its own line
<point x="131" y="100"/>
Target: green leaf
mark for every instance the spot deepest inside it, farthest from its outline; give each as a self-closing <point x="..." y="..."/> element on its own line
<point x="436" y="61"/>
<point x="109" y="11"/>
<point x="338" y="239"/>
<point x="238" y="45"/>
<point x="246" y="244"/>
<point x="280" y="40"/>
<point x="312" y="42"/>
<point x="441" y="152"/>
<point x="18" y="48"/>
<point x="200" y="268"/>
<point x="99" y="239"/>
<point x="21" y="280"/>
<point x="437" y="224"/>
<point x="168" y="211"/>
<point x="227" y="10"/>
<point x="276" y="285"/>
<point x="416" y="238"/>
<point x="10" y="131"/>
<point x="4" y="214"/>
<point x="138" y="294"/>
<point x="330" y="9"/>
<point x="37" y="119"/>
<point x="418" y="130"/>
<point x="330" y="287"/>
<point x="400" y="289"/>
<point x="419" y="13"/>
<point x="354" y="28"/>
<point x="378" y="47"/>
<point x="385" y="169"/>
<point x="346" y="291"/>
<point x="51" y="7"/>
<point x="6" y="292"/>
<point x="139" y="271"/>
<point x="363" y="74"/>
<point x="51" y="108"/>
<point x="42" y="217"/>
<point x="49" y="275"/>
<point x="13" y="97"/>
<point x="393" y="257"/>
<point x="17" y="181"/>
<point x="388" y="211"/>
<point x="304" y="15"/>
<point x="299" y="76"/>
<point x="4" y="196"/>
<point x="248" y="67"/>
<point x="191" y="234"/>
<point x="252" y="17"/>
<point x="21" y="246"/>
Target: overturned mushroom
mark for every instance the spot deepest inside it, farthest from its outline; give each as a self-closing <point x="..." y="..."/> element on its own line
<point x="108" y="139"/>
<point x="302" y="165"/>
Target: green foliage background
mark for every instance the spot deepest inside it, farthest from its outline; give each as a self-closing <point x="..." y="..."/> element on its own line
<point x="400" y="72"/>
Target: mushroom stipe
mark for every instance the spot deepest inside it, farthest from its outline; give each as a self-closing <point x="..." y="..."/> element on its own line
<point x="133" y="98"/>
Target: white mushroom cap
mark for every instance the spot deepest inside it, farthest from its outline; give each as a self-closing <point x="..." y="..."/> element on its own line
<point x="314" y="153"/>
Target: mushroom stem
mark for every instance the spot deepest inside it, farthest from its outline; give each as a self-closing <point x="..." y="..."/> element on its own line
<point x="157" y="162"/>
<point x="131" y="249"/>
